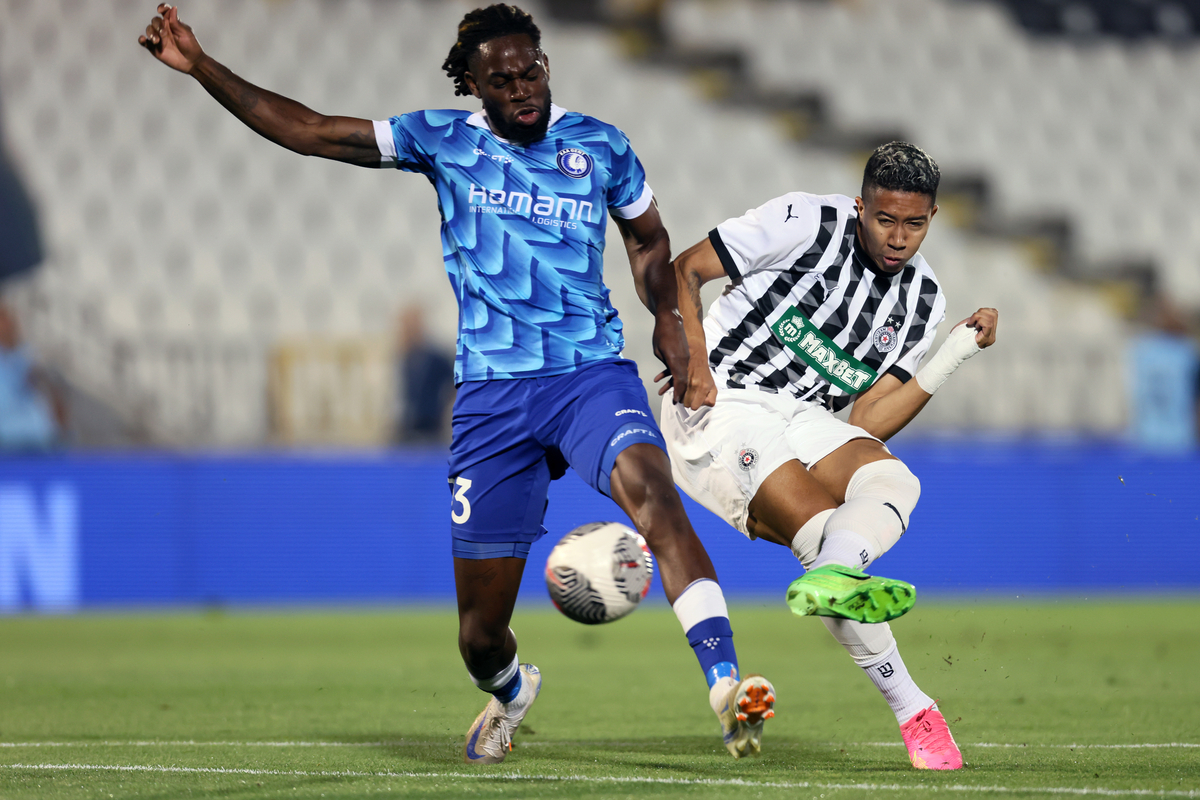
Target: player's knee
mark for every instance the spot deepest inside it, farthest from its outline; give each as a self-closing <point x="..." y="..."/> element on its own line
<point x="890" y="482"/>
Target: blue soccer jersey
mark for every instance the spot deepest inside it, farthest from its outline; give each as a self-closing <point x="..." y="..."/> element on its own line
<point x="523" y="234"/>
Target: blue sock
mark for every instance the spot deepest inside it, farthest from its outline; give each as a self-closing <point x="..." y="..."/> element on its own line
<point x="509" y="691"/>
<point x="504" y="685"/>
<point x="712" y="640"/>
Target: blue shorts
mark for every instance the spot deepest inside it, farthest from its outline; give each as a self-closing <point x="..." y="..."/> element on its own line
<point x="512" y="437"/>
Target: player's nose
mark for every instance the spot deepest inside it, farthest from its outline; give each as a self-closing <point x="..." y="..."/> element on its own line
<point x="521" y="90"/>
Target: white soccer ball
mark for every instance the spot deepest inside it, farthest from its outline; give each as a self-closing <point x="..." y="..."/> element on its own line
<point x="599" y="572"/>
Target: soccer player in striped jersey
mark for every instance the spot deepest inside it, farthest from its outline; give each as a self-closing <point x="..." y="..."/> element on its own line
<point x="829" y="303"/>
<point x="523" y="187"/>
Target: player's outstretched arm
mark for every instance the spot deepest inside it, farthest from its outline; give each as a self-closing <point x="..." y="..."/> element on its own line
<point x="695" y="267"/>
<point x="889" y="405"/>
<point x="283" y="121"/>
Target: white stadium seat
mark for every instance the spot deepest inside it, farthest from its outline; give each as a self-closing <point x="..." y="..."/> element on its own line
<point x="168" y="221"/>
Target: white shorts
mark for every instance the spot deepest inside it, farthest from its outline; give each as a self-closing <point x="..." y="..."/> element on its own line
<point x="721" y="455"/>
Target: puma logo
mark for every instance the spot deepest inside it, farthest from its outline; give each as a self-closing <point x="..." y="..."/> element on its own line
<point x="790" y="214"/>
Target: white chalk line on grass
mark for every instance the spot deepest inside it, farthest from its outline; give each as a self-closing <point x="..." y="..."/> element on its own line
<point x="566" y="743"/>
<point x="402" y="743"/>
<point x="618" y="779"/>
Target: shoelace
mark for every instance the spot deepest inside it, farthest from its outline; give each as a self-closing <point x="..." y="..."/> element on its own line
<point x="501" y="742"/>
<point x="505" y="727"/>
<point x="929" y="738"/>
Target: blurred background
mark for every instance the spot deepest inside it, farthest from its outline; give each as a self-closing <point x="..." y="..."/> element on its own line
<point x="225" y="370"/>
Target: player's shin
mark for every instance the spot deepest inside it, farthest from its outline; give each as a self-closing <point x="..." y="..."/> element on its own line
<point x="704" y="616"/>
<point x="806" y="544"/>
<point x="874" y="649"/>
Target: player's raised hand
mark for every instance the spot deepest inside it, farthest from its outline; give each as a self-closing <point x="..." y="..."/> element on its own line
<point x="984" y="321"/>
<point x="171" y="41"/>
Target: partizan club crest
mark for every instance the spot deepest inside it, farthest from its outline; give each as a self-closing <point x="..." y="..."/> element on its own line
<point x="885" y="337"/>
<point x="747" y="458"/>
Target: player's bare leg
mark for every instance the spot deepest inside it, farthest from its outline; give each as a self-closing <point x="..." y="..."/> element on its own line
<point x="487" y="592"/>
<point x="642" y="485"/>
<point x="835" y="470"/>
<point x="644" y="489"/>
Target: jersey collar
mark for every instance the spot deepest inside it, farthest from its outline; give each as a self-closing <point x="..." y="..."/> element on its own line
<point x="479" y="120"/>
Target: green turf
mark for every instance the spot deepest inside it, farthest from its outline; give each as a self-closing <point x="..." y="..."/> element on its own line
<point x="623" y="710"/>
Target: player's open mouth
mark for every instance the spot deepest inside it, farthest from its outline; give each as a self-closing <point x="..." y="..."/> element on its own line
<point x="892" y="262"/>
<point x="528" y="116"/>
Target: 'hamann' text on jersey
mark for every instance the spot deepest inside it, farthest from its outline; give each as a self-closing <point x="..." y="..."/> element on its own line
<point x="523" y="234"/>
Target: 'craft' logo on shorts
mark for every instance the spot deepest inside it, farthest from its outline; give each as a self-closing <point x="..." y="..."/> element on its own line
<point x="790" y="329"/>
<point x="885" y="337"/>
<point x="747" y="458"/>
<point x="631" y="432"/>
<point x="630" y="411"/>
<point x="574" y="163"/>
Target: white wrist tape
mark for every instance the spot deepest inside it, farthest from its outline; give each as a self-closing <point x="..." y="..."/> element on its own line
<point x="958" y="347"/>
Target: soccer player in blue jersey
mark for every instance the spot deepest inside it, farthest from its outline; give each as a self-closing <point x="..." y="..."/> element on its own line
<point x="523" y="186"/>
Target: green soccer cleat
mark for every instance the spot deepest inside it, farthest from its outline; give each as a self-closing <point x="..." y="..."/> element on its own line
<point x="837" y="591"/>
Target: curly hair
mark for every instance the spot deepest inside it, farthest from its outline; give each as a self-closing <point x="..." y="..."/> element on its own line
<point x="481" y="26"/>
<point x="902" y="167"/>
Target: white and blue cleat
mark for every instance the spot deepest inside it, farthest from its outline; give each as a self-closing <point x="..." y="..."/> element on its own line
<point x="489" y="739"/>
<point x="747" y="705"/>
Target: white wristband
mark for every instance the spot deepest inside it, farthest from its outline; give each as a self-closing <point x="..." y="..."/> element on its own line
<point x="958" y="347"/>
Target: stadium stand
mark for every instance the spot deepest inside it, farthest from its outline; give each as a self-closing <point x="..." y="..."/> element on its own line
<point x="184" y="251"/>
<point x="1099" y="131"/>
<point x="1131" y="19"/>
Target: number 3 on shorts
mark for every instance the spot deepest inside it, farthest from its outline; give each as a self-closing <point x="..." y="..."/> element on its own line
<point x="460" y="496"/>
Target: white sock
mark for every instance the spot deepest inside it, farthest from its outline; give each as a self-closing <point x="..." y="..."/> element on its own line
<point x="500" y="680"/>
<point x="846" y="548"/>
<point x="891" y="677"/>
<point x="718" y="693"/>
<point x="806" y="544"/>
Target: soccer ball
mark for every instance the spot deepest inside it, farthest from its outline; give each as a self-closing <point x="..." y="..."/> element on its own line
<point x="599" y="572"/>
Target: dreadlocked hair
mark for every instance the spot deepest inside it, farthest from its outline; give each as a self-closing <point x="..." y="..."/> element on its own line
<point x="481" y="26"/>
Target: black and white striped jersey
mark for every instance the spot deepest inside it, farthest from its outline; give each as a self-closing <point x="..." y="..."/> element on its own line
<point x="807" y="312"/>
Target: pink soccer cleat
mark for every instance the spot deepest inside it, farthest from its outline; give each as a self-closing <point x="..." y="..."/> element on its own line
<point x="929" y="743"/>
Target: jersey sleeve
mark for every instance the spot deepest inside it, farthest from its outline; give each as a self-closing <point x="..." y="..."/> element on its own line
<point x="409" y="141"/>
<point x="916" y="348"/>
<point x="770" y="236"/>
<point x="628" y="195"/>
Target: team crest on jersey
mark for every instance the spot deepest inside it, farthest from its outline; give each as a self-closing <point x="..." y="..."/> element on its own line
<point x="574" y="163"/>
<point x="885" y="337"/>
<point x="747" y="458"/>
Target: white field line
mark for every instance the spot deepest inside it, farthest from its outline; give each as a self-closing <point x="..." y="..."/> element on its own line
<point x="872" y="787"/>
<point x="568" y="743"/>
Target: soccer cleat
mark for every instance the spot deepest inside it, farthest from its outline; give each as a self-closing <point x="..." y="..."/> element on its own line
<point x="929" y="743"/>
<point x="837" y="591"/>
<point x="747" y="705"/>
<point x="489" y="739"/>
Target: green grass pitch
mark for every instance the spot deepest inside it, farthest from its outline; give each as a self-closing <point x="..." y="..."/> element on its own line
<point x="1047" y="698"/>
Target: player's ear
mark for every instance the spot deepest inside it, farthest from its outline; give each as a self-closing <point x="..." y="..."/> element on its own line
<point x="933" y="211"/>
<point x="546" y="64"/>
<point x="862" y="209"/>
<point x="472" y="86"/>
